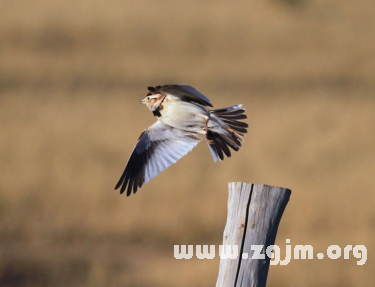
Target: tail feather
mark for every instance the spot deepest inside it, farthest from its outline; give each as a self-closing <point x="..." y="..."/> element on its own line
<point x="230" y="133"/>
<point x="228" y="109"/>
<point x="232" y="117"/>
<point x="223" y="145"/>
<point x="236" y="127"/>
<point x="212" y="148"/>
<point x="236" y="123"/>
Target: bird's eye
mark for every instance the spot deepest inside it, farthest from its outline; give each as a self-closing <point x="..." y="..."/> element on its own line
<point x="148" y="98"/>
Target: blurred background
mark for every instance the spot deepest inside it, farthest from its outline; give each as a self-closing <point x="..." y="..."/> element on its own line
<point x="71" y="77"/>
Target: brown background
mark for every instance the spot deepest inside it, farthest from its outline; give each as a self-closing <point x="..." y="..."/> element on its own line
<point x="71" y="77"/>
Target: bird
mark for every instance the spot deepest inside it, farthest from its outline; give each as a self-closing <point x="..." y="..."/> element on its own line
<point x="183" y="118"/>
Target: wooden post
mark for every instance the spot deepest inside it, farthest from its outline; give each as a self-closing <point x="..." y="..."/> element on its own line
<point x="254" y="214"/>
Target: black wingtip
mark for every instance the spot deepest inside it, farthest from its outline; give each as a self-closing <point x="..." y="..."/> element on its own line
<point x="123" y="186"/>
<point x="122" y="190"/>
<point x="129" y="191"/>
<point x="118" y="185"/>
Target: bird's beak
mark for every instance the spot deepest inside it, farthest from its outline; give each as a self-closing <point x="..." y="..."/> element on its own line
<point x="143" y="101"/>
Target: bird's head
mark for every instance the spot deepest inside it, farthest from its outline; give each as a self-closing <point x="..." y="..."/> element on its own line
<point x="153" y="101"/>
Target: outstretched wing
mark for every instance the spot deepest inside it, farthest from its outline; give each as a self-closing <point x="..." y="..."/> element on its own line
<point x="157" y="148"/>
<point x="186" y="93"/>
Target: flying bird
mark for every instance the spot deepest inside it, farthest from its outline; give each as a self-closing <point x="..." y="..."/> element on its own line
<point x="182" y="118"/>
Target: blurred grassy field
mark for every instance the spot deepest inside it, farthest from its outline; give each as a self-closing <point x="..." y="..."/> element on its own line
<point x="71" y="77"/>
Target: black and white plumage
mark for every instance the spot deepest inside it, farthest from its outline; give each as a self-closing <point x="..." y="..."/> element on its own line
<point x="182" y="116"/>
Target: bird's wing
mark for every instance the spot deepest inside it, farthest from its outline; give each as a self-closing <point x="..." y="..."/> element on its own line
<point x="185" y="92"/>
<point x="157" y="148"/>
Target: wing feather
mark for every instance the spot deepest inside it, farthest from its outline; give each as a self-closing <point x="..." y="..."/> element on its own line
<point x="157" y="148"/>
<point x="186" y="93"/>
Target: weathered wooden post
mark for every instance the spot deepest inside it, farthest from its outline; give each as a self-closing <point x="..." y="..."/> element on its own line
<point x="254" y="214"/>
